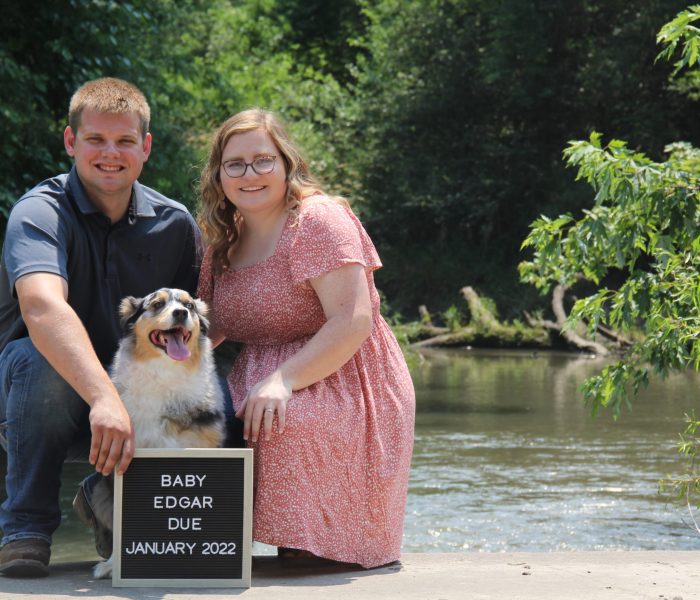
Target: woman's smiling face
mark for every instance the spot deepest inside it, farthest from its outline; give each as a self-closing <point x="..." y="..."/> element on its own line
<point x="253" y="192"/>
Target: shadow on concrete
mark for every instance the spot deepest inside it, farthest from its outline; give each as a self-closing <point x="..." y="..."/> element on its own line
<point x="274" y="571"/>
<point x="75" y="580"/>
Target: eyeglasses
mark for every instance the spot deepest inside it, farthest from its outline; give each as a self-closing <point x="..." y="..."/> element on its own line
<point x="261" y="165"/>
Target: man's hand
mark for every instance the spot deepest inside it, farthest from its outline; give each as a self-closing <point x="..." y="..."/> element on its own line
<point x="59" y="335"/>
<point x="112" y="436"/>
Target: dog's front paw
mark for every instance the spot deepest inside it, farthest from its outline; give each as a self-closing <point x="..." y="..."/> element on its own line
<point x="103" y="569"/>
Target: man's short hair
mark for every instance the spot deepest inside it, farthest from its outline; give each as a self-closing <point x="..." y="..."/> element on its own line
<point x="109" y="95"/>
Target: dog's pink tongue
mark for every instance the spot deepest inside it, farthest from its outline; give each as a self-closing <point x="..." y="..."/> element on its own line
<point x="175" y="346"/>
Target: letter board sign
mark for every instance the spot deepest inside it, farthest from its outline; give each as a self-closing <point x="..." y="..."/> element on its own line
<point x="184" y="518"/>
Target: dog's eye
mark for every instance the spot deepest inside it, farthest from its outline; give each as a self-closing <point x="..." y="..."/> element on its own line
<point x="158" y="304"/>
<point x="189" y="305"/>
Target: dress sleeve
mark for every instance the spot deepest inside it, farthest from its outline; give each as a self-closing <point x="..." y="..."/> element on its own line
<point x="329" y="236"/>
<point x="205" y="288"/>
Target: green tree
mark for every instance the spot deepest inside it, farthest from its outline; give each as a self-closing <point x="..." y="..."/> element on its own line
<point x="323" y="34"/>
<point x="42" y="60"/>
<point x="48" y="49"/>
<point x="245" y="55"/>
<point x="197" y="61"/>
<point x="441" y="120"/>
<point x="456" y="122"/>
<point x="643" y="229"/>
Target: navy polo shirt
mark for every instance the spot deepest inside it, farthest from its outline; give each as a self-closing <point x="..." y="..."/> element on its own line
<point x="54" y="228"/>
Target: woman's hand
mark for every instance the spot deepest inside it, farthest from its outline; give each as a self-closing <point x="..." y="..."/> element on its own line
<point x="344" y="296"/>
<point x="260" y="404"/>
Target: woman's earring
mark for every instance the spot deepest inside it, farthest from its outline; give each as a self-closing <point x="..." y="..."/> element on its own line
<point x="222" y="204"/>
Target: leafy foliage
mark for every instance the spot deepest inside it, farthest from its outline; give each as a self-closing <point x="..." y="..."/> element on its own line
<point x="441" y="120"/>
<point x="680" y="30"/>
<point x="644" y="225"/>
<point x="197" y="61"/>
<point x="457" y="119"/>
<point x="452" y="318"/>
<point x="41" y="62"/>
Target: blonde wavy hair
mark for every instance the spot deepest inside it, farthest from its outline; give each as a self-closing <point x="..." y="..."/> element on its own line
<point x="218" y="218"/>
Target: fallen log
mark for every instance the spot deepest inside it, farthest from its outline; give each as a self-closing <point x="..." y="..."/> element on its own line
<point x="507" y="337"/>
<point x="569" y="335"/>
<point x="480" y="315"/>
<point x="484" y="330"/>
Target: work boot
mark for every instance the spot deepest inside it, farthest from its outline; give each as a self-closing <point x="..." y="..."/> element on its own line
<point x="25" y="558"/>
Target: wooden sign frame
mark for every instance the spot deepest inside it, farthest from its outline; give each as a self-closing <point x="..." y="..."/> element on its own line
<point x="183" y="459"/>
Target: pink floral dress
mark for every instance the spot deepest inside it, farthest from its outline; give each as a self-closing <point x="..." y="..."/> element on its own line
<point x="335" y="482"/>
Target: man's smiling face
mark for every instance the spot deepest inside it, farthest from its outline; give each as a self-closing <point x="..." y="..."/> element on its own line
<point x="109" y="151"/>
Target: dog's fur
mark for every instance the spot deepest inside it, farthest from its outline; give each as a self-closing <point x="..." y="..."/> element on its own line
<point x="165" y="375"/>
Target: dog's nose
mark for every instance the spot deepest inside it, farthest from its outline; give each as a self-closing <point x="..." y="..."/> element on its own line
<point x="180" y="314"/>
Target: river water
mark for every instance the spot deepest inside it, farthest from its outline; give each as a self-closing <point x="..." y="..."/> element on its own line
<point x="508" y="458"/>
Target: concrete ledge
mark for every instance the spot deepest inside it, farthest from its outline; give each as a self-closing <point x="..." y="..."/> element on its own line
<point x="477" y="576"/>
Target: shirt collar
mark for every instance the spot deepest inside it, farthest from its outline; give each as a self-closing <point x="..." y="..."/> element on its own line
<point x="78" y="192"/>
<point x="143" y="206"/>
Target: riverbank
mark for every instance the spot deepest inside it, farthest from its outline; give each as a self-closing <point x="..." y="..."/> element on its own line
<point x="476" y="576"/>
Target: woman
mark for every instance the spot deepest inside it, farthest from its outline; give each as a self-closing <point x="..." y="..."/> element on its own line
<point x="321" y="384"/>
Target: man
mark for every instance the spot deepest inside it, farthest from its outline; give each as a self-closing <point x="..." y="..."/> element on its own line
<point x="75" y="245"/>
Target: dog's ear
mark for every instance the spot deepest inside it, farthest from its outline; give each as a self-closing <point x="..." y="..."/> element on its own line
<point x="130" y="309"/>
<point x="203" y="311"/>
